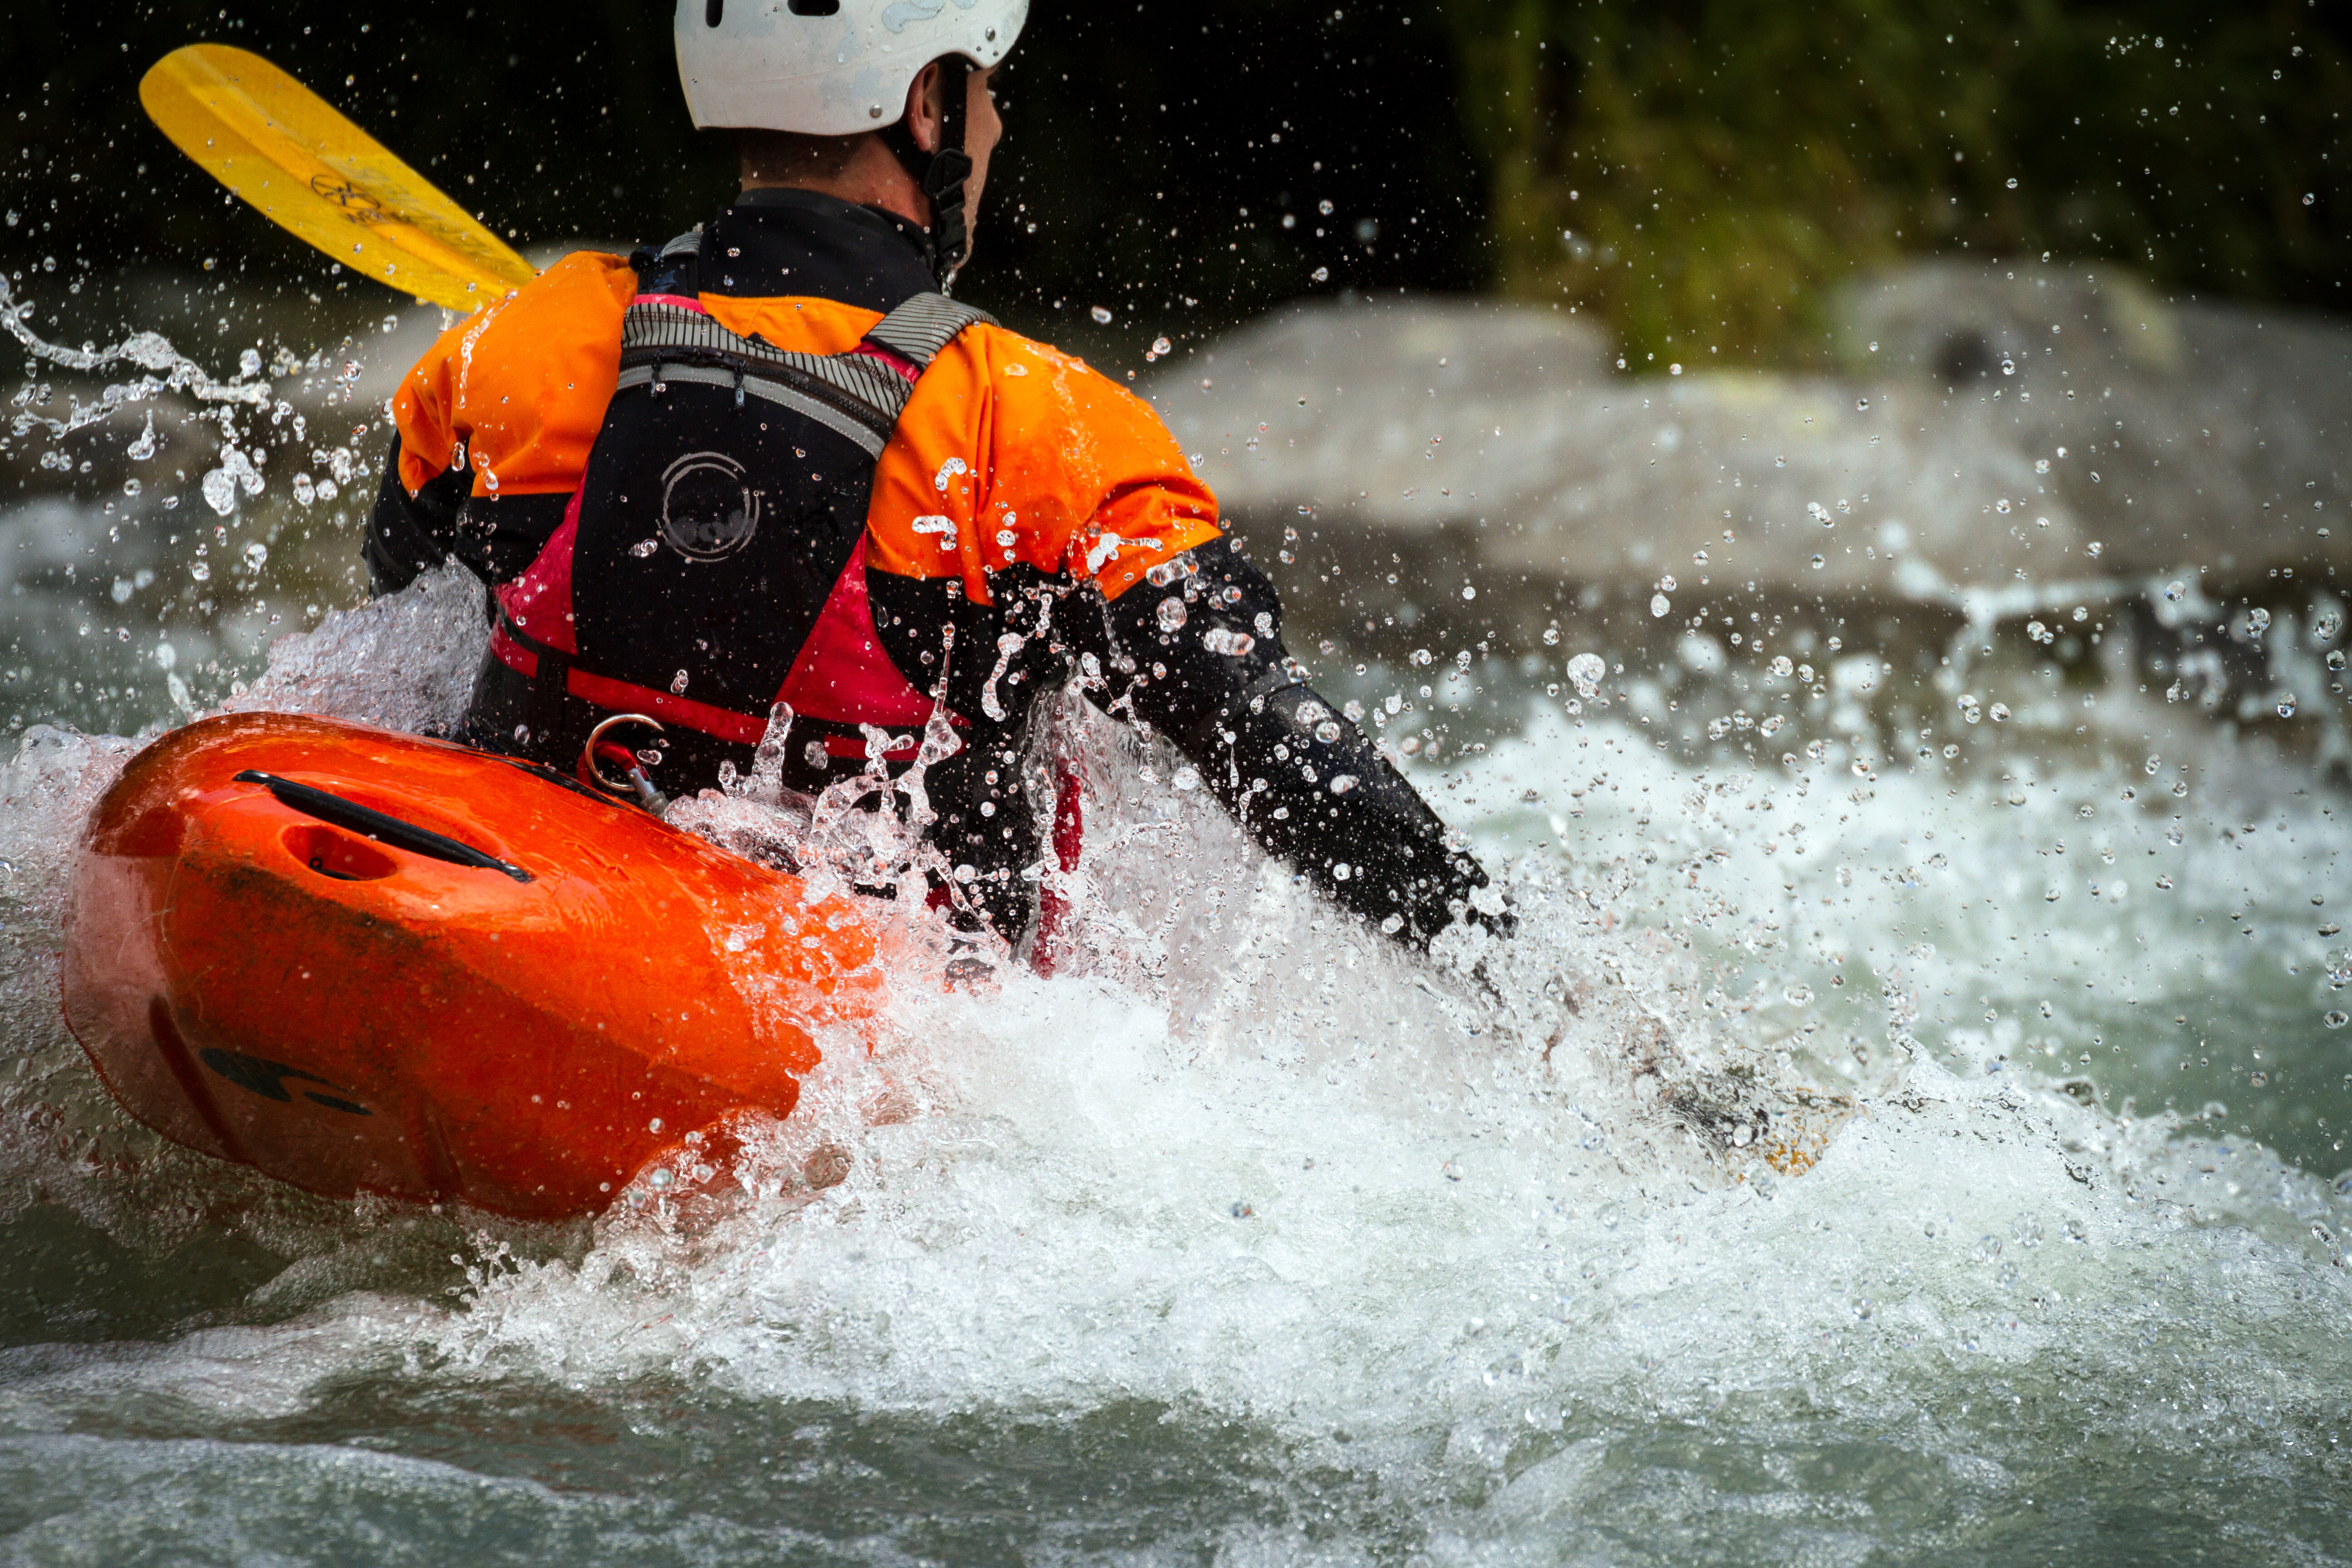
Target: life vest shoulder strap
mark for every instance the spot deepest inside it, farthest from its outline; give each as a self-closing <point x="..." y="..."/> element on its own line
<point x="919" y="327"/>
<point x="668" y="337"/>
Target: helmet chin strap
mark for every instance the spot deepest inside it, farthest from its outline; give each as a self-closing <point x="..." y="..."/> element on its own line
<point x="941" y="173"/>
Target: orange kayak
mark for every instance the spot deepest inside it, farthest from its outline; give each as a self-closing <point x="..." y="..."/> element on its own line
<point x="363" y="961"/>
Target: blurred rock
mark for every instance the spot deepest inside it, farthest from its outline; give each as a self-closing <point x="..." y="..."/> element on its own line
<point x="2218" y="432"/>
<point x="1974" y="454"/>
<point x="1385" y="411"/>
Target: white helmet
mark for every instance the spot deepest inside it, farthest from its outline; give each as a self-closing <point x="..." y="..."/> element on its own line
<point x="826" y="67"/>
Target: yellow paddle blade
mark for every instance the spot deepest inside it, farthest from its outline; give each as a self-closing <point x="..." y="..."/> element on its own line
<point x="276" y="143"/>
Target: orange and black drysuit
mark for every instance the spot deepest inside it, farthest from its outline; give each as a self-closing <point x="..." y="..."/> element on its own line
<point x="768" y="470"/>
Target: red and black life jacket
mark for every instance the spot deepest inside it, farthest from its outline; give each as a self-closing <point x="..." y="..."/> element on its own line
<point x="710" y="567"/>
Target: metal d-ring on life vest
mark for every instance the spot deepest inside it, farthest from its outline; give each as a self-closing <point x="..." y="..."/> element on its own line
<point x="711" y="565"/>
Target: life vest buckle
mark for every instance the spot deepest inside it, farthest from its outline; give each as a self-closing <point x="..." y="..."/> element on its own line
<point x="632" y="781"/>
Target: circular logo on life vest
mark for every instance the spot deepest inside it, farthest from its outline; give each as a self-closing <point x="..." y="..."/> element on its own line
<point x="708" y="512"/>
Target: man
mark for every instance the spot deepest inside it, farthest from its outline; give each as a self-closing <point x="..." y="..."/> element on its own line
<point x="770" y="471"/>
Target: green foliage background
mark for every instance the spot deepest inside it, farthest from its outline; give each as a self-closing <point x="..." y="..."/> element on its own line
<point x="1701" y="171"/>
<point x="1698" y="173"/>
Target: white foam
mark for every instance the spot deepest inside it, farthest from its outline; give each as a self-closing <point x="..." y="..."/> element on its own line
<point x="1444" y="1222"/>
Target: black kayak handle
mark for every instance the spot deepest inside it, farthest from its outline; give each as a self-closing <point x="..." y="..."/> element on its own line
<point x="376" y="825"/>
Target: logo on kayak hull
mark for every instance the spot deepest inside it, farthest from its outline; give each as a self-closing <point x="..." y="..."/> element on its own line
<point x="267" y="1078"/>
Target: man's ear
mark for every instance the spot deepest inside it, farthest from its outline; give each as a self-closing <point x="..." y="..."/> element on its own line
<point x="924" y="116"/>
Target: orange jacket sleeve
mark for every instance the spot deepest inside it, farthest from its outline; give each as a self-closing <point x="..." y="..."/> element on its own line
<point x="1011" y="451"/>
<point x="517" y="390"/>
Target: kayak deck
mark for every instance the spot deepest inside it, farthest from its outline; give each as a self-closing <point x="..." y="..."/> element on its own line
<point x="363" y="961"/>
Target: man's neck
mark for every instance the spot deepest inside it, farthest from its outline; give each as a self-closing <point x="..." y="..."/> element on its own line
<point x="874" y="178"/>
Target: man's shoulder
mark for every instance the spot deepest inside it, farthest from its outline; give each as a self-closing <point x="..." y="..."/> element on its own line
<point x="1026" y="369"/>
<point x="575" y="301"/>
<point x="552" y="347"/>
<point x="1005" y="346"/>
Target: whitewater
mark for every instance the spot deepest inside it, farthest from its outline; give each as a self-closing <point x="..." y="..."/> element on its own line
<point x="1874" y="1146"/>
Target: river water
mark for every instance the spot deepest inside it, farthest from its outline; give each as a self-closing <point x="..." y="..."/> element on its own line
<point x="1897" y="1132"/>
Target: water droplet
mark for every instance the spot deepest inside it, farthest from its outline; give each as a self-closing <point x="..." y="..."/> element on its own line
<point x="1817" y="564"/>
<point x="1342" y="783"/>
<point x="256" y="552"/>
<point x="678" y="684"/>
<point x="2258" y="621"/>
<point x="2325" y="625"/>
<point x="1328" y="731"/>
<point x="1660" y="606"/>
<point x="1172" y="613"/>
<point x="1587" y="670"/>
<point x="219" y="491"/>
<point x="2173" y="591"/>
<point x="1862" y="402"/>
<point x="2000" y="711"/>
<point x="645" y="547"/>
<point x="2335" y="1018"/>
<point x="1230" y="644"/>
<point x="1160" y="346"/>
<point x="2009" y="367"/>
<point x="1101" y="313"/>
<point x="2286" y="706"/>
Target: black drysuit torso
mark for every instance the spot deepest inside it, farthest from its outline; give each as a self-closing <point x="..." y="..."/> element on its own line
<point x="1196" y="652"/>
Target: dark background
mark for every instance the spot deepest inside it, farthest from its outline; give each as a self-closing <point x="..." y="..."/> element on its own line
<point x="1730" y="160"/>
